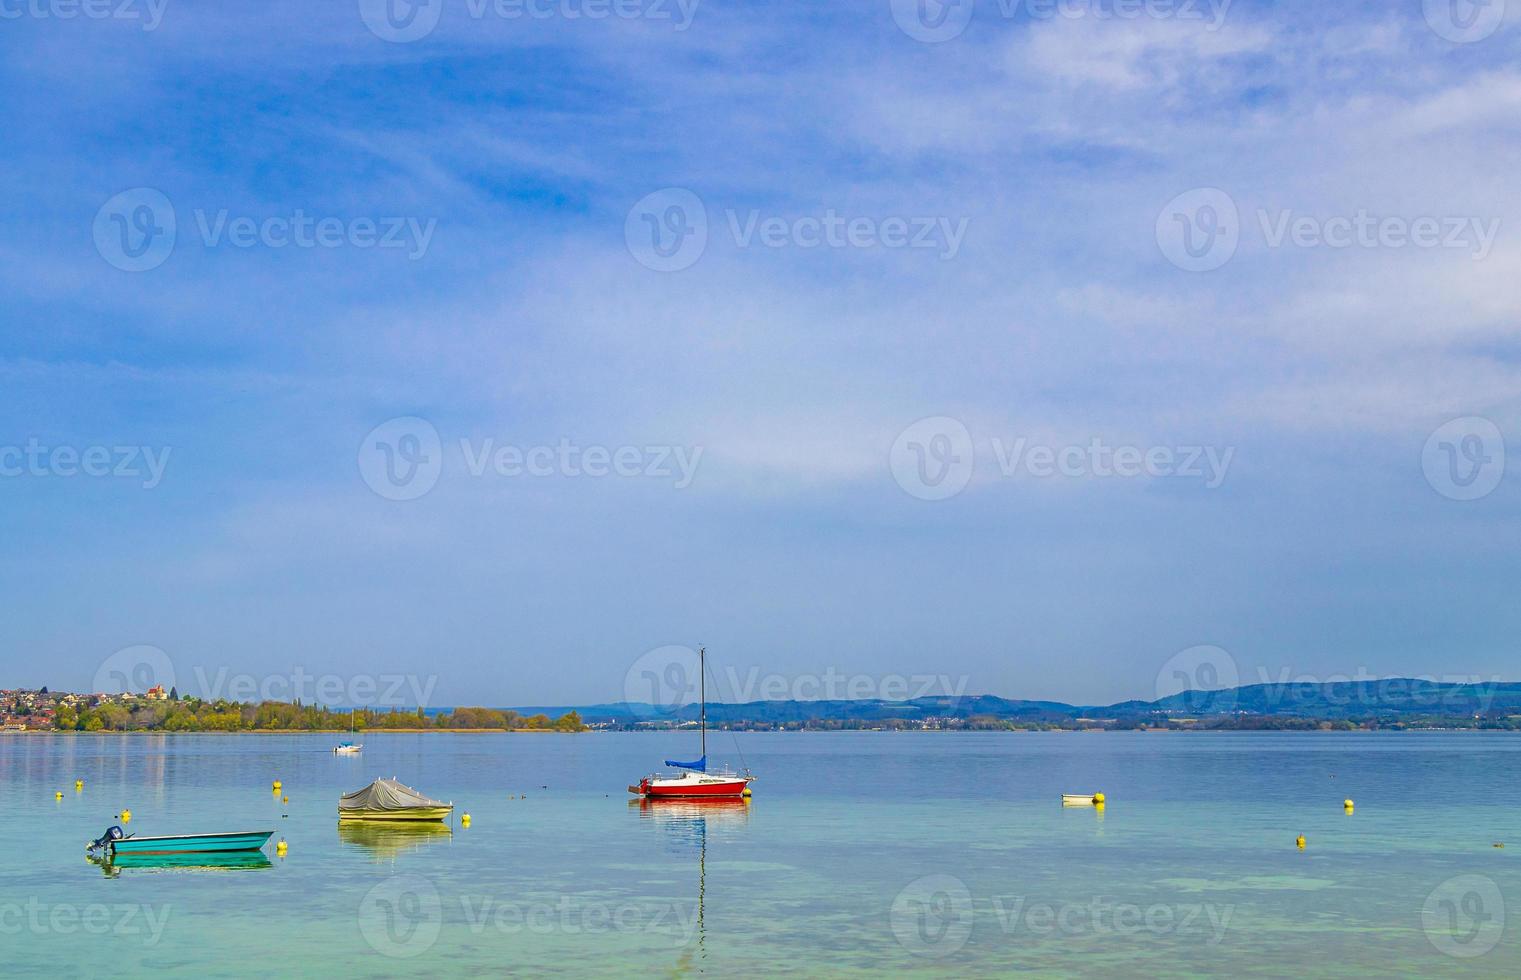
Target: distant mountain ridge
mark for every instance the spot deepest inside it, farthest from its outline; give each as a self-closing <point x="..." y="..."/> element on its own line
<point x="1385" y="699"/>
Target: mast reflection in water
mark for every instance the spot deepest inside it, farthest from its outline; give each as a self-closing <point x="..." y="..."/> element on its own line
<point x="686" y="825"/>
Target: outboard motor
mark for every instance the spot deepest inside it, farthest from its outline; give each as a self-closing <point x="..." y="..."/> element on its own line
<point x="110" y="836"/>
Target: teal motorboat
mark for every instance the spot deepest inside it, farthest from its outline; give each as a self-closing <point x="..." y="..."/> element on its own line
<point x="116" y="842"/>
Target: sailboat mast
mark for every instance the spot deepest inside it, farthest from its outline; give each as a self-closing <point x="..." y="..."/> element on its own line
<point x="702" y="687"/>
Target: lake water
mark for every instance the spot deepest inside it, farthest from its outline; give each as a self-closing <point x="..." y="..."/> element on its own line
<point x="927" y="853"/>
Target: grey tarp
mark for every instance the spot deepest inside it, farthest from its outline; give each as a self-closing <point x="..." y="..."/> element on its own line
<point x="384" y="795"/>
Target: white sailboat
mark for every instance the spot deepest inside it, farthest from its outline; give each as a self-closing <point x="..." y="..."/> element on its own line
<point x="350" y="747"/>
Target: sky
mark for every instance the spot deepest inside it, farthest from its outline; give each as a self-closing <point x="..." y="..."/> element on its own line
<point x="501" y="352"/>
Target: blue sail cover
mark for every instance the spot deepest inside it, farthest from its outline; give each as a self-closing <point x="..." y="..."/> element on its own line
<point x="701" y="765"/>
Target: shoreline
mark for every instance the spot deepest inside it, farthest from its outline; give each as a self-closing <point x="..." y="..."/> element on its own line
<point x="310" y="731"/>
<point x="799" y="731"/>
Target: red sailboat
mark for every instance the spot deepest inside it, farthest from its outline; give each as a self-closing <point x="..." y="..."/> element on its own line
<point x="694" y="780"/>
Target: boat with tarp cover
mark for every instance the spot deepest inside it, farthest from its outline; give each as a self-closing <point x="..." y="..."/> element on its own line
<point x="695" y="780"/>
<point x="386" y="799"/>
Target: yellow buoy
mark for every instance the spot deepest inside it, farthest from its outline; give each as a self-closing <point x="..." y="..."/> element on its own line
<point x="280" y="847"/>
<point x="746" y="792"/>
<point x="1300" y="841"/>
<point x="465" y="820"/>
<point x="58" y="796"/>
<point x="78" y="784"/>
<point x="276" y="786"/>
<point x="126" y="816"/>
<point x="1098" y="799"/>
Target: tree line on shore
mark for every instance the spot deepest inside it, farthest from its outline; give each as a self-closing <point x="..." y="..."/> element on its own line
<point x="232" y="716"/>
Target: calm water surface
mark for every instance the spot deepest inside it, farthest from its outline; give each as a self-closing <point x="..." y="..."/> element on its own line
<point x="931" y="853"/>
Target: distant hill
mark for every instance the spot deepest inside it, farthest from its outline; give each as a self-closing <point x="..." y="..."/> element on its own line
<point x="1390" y="699"/>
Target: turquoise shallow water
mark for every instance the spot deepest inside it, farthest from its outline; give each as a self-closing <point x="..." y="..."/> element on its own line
<point x="930" y="853"/>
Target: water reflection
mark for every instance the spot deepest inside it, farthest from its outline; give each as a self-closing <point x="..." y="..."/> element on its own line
<point x="112" y="866"/>
<point x="686" y="825"/>
<point x="386" y="842"/>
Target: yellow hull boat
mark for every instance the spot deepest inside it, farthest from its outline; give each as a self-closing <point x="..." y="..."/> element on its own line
<point x="390" y="801"/>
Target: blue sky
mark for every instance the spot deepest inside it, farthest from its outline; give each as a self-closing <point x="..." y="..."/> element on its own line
<point x="1015" y="189"/>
